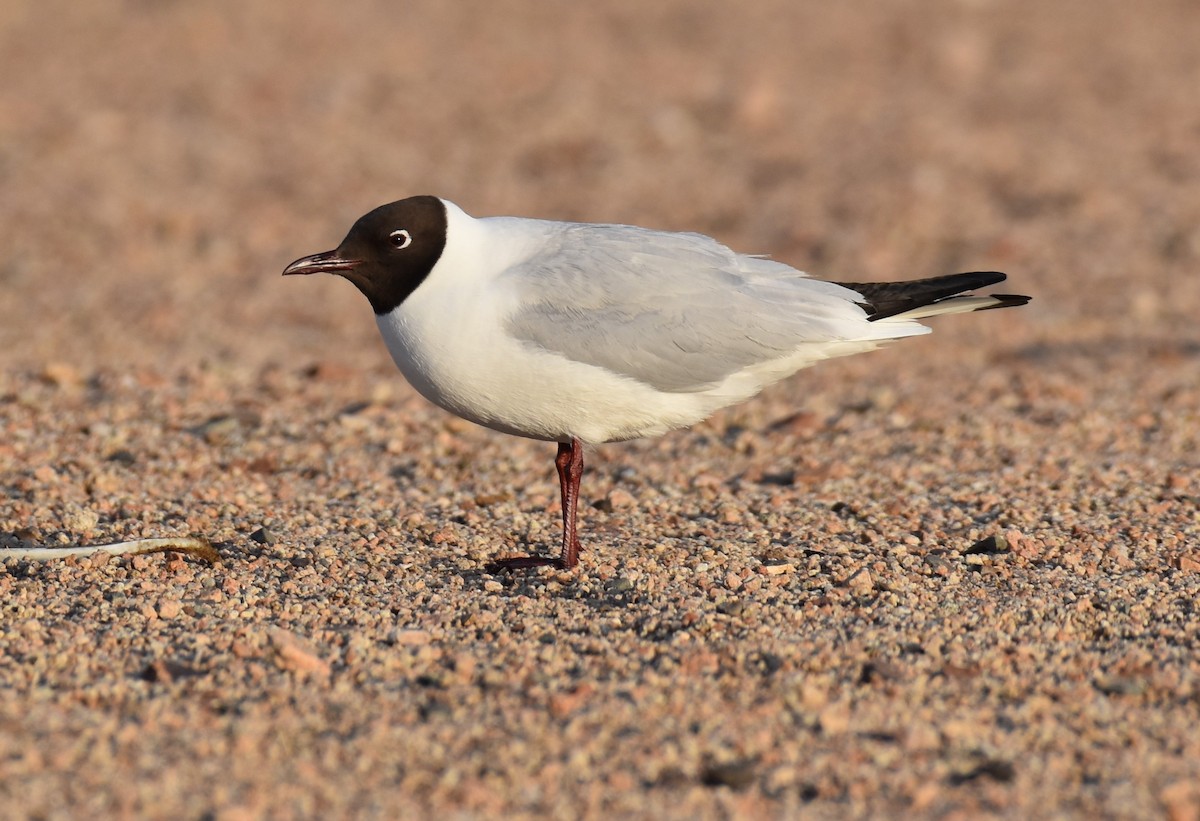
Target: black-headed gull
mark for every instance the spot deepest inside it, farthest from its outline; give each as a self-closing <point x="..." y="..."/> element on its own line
<point x="587" y="333"/>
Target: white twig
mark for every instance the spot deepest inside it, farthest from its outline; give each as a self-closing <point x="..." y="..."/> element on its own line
<point x="199" y="548"/>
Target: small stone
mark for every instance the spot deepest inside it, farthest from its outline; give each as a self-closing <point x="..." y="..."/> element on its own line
<point x="169" y="608"/>
<point x="61" y="375"/>
<point x="991" y="545"/>
<point x="328" y="372"/>
<point x="464" y="666"/>
<point x="219" y="430"/>
<point x="1121" y="685"/>
<point x="410" y="637"/>
<point x="242" y="649"/>
<point x="563" y="704"/>
<point x="995" y="769"/>
<point x="294" y="653"/>
<point x="103" y="483"/>
<point x="1188" y="563"/>
<point x="813" y="697"/>
<point x="775" y="567"/>
<point x="731" y="607"/>
<point x="620" y="499"/>
<point x="81" y="521"/>
<point x="783" y="478"/>
<point x="263" y="536"/>
<point x="1177" y="481"/>
<point x="736" y="775"/>
<point x="937" y="565"/>
<point x="620" y="585"/>
<point x="1181" y="800"/>
<point x="164" y="671"/>
<point x="492" y="498"/>
<point x="876" y="670"/>
<point x="860" y="582"/>
<point x="924" y="796"/>
<point x="921" y="738"/>
<point x="960" y="672"/>
<point x="835" y="718"/>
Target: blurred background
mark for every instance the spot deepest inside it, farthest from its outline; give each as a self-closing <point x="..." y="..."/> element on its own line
<point x="160" y="162"/>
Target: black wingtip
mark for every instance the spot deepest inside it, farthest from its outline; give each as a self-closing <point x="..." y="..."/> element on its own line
<point x="1007" y="301"/>
<point x="974" y="279"/>
<point x="882" y="300"/>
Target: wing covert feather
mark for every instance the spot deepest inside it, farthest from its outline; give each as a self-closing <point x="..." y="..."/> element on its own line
<point x="680" y="312"/>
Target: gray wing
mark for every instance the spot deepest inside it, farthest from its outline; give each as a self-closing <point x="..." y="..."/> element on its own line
<point x="680" y="312"/>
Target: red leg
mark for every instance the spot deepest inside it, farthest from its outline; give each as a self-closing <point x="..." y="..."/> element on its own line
<point x="570" y="471"/>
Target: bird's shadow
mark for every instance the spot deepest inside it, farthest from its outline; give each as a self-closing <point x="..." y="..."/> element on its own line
<point x="536" y="583"/>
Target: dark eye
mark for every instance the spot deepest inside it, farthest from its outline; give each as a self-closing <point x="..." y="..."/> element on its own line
<point x="400" y="239"/>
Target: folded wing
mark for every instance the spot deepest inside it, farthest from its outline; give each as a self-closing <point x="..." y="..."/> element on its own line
<point x="680" y="312"/>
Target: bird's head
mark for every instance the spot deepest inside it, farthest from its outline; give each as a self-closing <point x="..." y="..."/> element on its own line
<point x="387" y="253"/>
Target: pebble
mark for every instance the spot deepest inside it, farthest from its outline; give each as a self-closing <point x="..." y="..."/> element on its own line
<point x="775" y="567"/>
<point x="220" y="430"/>
<point x="734" y="774"/>
<point x="82" y="520"/>
<point x="992" y="544"/>
<point x="410" y="637"/>
<point x="1188" y="562"/>
<point x="861" y="582"/>
<point x="297" y="654"/>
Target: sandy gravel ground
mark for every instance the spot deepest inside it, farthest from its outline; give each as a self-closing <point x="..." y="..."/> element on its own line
<point x="953" y="579"/>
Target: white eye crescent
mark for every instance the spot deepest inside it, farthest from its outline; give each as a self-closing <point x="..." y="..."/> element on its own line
<point x="400" y="239"/>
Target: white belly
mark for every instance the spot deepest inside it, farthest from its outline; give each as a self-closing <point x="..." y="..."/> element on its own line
<point x="513" y="387"/>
